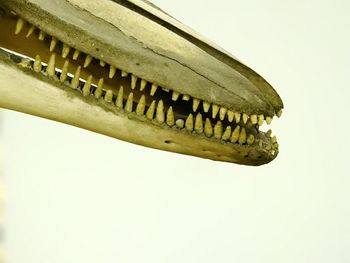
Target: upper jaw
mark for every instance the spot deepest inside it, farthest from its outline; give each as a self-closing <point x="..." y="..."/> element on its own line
<point x="173" y="59"/>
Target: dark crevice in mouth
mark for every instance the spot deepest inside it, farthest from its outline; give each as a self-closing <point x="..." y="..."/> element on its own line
<point x="130" y="94"/>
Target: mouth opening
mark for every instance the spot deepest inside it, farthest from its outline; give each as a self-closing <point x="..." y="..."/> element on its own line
<point x="45" y="54"/>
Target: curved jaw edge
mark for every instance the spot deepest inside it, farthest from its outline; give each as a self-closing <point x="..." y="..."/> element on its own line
<point x="24" y="90"/>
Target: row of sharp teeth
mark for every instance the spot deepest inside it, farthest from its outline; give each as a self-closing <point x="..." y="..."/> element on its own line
<point x="216" y="110"/>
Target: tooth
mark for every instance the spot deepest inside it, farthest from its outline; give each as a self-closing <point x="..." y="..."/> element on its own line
<point x="235" y="134"/>
<point x="133" y="81"/>
<point x="223" y="112"/>
<point x="98" y="91"/>
<point x="42" y="35"/>
<point x="75" y="80"/>
<point x="269" y="133"/>
<point x="119" y="101"/>
<point x="109" y="96"/>
<point x="237" y="117"/>
<point x="112" y="71"/>
<point x="242" y="137"/>
<point x="76" y="54"/>
<point x="208" y="128"/>
<point x="150" y="111"/>
<point x="195" y="104"/>
<point x="65" y="50"/>
<point x="206" y="106"/>
<point x="143" y="84"/>
<point x="160" y="112"/>
<point x="274" y="139"/>
<point x="230" y="115"/>
<point x="64" y="71"/>
<point x="186" y="97"/>
<point x="250" y="139"/>
<point x="198" y="125"/>
<point x="218" y="130"/>
<point x="261" y="119"/>
<point x="279" y="114"/>
<point x="215" y="110"/>
<point x="180" y="123"/>
<point x="87" y="86"/>
<point x="170" y="118"/>
<point x="254" y="119"/>
<point x="245" y="118"/>
<point x="88" y="60"/>
<point x="53" y="44"/>
<point x="129" y="102"/>
<point x="124" y="74"/>
<point x="51" y="66"/>
<point x="37" y="64"/>
<point x="189" y="123"/>
<point x="227" y="133"/>
<point x="166" y="90"/>
<point x="175" y="96"/>
<point x="30" y="31"/>
<point x="19" y="26"/>
<point x="102" y="63"/>
<point x="141" y="106"/>
<point x="268" y="120"/>
<point x="154" y="89"/>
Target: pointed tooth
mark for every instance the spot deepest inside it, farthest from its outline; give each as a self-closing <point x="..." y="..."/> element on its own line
<point x="129" y="102"/>
<point x="206" y="106"/>
<point x="124" y="74"/>
<point x="254" y="119"/>
<point x="109" y="96"/>
<point x="208" y="128"/>
<point x="261" y="119"/>
<point x="268" y="120"/>
<point x="227" y="134"/>
<point x="141" y="106"/>
<point x="119" y="101"/>
<point x="166" y="90"/>
<point x="98" y="91"/>
<point x="218" y="130"/>
<point x="195" y="104"/>
<point x="87" y="86"/>
<point x="76" y="54"/>
<point x="143" y="84"/>
<point x="279" y="114"/>
<point x="223" y="112"/>
<point x="238" y="117"/>
<point x="150" y="111"/>
<point x="154" y="89"/>
<point x="230" y="115"/>
<point x="133" y="81"/>
<point x="242" y="137"/>
<point x="269" y="133"/>
<point x="19" y="25"/>
<point x="75" y="80"/>
<point x="198" y="125"/>
<point x="30" y="31"/>
<point x="274" y="139"/>
<point x="64" y="72"/>
<point x="88" y="60"/>
<point x="160" y="112"/>
<point x="245" y="118"/>
<point x="170" y="118"/>
<point x="235" y="134"/>
<point x="50" y="70"/>
<point x="37" y="64"/>
<point x="251" y="139"/>
<point x="180" y="123"/>
<point x="112" y="71"/>
<point x="65" y="50"/>
<point x="53" y="44"/>
<point x="186" y="97"/>
<point x="215" y="110"/>
<point x="102" y="63"/>
<point x="189" y="123"/>
<point x="42" y="35"/>
<point x="175" y="96"/>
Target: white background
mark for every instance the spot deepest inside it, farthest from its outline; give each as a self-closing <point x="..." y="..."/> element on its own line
<point x="76" y="196"/>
